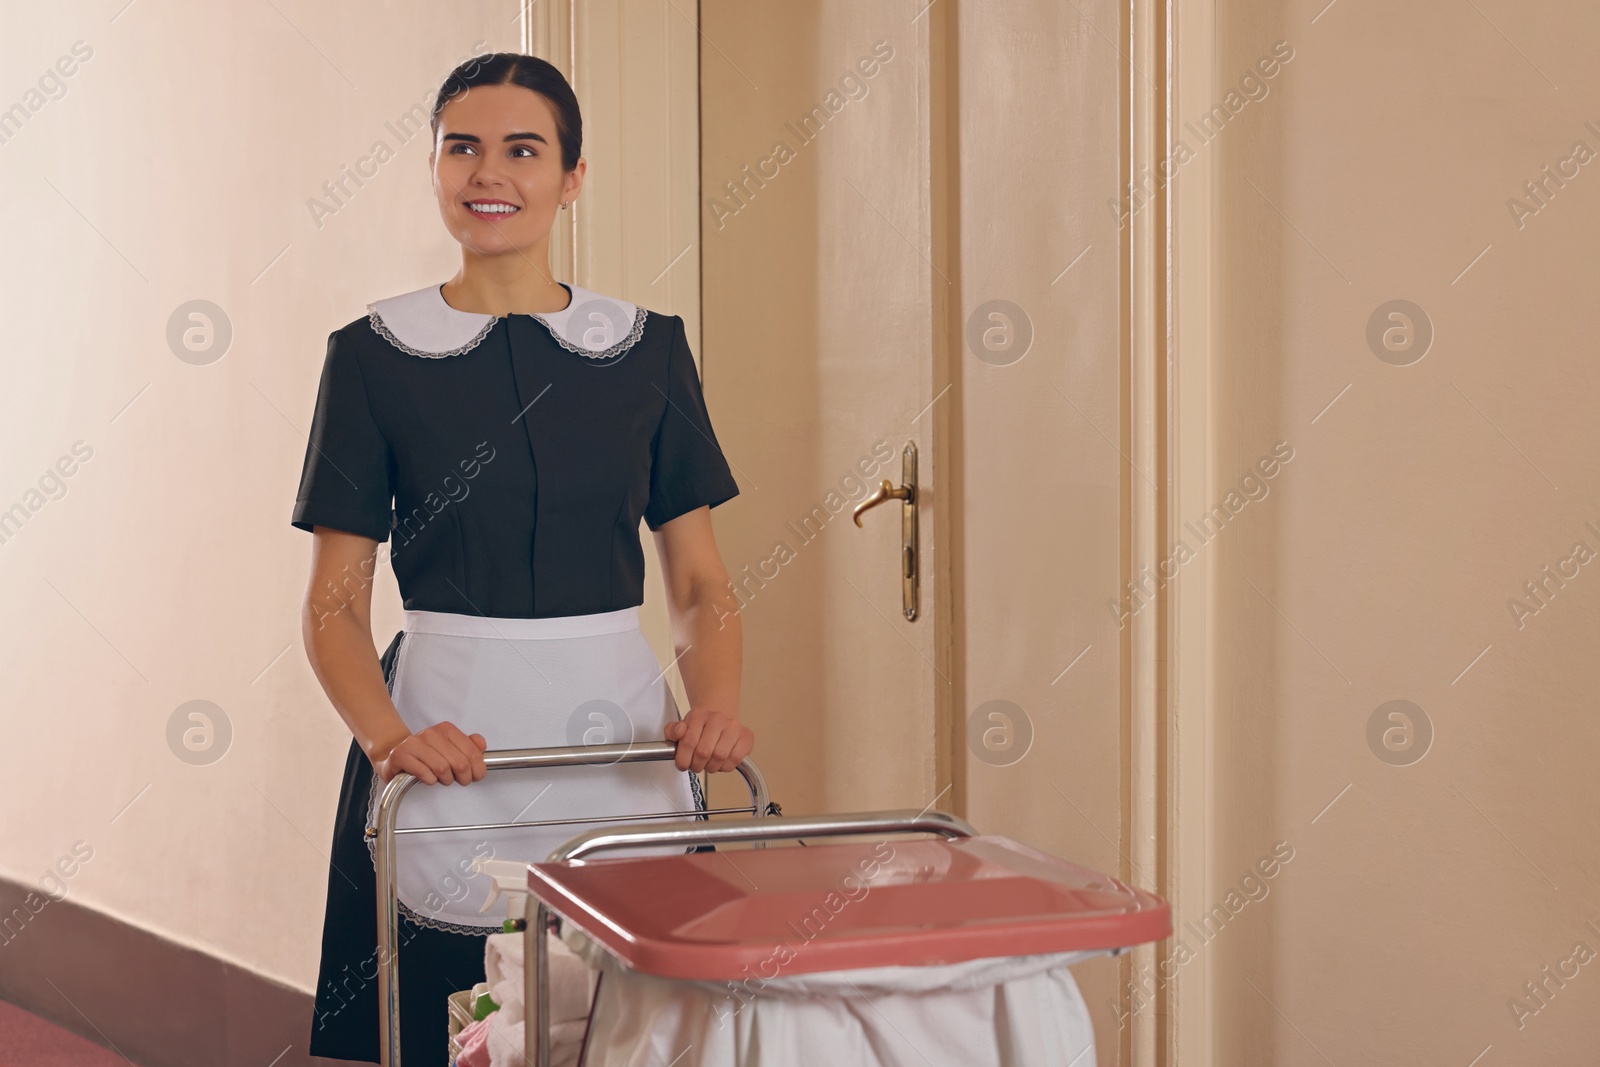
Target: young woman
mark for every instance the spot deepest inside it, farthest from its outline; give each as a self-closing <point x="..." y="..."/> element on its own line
<point x="506" y="433"/>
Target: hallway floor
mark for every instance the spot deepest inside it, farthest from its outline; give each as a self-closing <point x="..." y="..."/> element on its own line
<point x="28" y="1041"/>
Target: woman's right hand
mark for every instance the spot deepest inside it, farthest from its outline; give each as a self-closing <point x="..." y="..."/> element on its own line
<point x="438" y="754"/>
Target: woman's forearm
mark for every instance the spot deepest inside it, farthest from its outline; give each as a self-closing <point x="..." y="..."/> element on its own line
<point x="339" y="646"/>
<point x="709" y="644"/>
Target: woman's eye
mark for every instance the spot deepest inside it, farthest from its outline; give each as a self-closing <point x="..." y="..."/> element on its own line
<point x="462" y="146"/>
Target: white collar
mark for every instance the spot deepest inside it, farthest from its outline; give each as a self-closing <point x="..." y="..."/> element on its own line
<point x="422" y="324"/>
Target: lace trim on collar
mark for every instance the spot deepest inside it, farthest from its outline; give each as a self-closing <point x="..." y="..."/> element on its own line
<point x="382" y="330"/>
<point x="420" y="323"/>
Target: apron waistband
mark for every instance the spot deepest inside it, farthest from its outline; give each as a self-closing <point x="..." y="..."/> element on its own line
<point x="453" y="625"/>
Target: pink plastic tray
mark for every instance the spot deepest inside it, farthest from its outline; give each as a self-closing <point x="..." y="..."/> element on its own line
<point x="725" y="915"/>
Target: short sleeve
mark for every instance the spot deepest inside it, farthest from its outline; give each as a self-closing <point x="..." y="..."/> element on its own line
<point x="687" y="466"/>
<point x="344" y="483"/>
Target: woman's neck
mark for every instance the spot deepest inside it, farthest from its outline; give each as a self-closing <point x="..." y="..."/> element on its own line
<point x="525" y="294"/>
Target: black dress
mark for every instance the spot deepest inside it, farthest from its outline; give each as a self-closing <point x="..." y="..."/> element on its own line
<point x="510" y="459"/>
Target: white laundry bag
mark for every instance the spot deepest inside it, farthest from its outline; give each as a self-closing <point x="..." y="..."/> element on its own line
<point x="1016" y="1011"/>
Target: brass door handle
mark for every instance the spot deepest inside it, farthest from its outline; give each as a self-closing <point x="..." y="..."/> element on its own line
<point x="907" y="495"/>
<point x="885" y="492"/>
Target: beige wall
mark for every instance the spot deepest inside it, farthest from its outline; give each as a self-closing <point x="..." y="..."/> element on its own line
<point x="164" y="173"/>
<point x="1422" y="897"/>
<point x="175" y="164"/>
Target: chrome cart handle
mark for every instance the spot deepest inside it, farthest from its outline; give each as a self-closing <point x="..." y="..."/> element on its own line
<point x="900" y="821"/>
<point x="557" y="756"/>
<point x="536" y="979"/>
<point x="499" y="760"/>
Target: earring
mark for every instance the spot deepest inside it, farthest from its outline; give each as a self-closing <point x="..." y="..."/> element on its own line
<point x="563" y="205"/>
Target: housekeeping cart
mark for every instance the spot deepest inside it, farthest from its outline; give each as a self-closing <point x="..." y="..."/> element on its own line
<point x="754" y="952"/>
<point x="508" y="759"/>
<point x="959" y="945"/>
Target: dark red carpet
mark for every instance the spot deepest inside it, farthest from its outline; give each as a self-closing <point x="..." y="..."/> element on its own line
<point x="28" y="1041"/>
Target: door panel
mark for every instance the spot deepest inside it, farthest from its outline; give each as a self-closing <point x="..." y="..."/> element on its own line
<point x="820" y="301"/>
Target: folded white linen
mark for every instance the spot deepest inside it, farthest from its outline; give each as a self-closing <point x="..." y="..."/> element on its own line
<point x="571" y="990"/>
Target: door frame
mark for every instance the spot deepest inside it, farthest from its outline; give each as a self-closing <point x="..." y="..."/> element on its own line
<point x="1167" y="652"/>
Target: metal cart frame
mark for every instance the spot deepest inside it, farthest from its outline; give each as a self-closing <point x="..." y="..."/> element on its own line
<point x="514" y="759"/>
<point x="536" y="990"/>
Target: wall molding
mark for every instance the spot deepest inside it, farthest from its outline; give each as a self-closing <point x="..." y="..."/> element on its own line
<point x="546" y="30"/>
<point x="1167" y="351"/>
<point x="1144" y="482"/>
<point x="1191" y="49"/>
<point x="149" y="998"/>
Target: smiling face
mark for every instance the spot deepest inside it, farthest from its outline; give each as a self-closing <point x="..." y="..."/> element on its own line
<point x="497" y="170"/>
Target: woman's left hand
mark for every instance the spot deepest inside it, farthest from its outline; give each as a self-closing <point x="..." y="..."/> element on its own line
<point x="710" y="741"/>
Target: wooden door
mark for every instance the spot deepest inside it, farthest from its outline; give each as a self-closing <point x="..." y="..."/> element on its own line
<point x="906" y="238"/>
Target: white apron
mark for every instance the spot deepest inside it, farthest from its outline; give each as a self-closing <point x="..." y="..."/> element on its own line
<point x="523" y="683"/>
